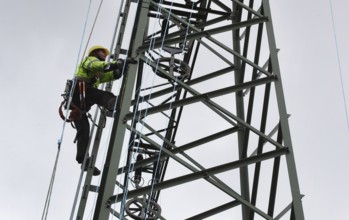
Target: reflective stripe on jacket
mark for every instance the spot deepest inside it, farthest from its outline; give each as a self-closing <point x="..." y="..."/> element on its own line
<point x="91" y="69"/>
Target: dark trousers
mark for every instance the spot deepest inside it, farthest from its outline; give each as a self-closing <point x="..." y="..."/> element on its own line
<point x="92" y="96"/>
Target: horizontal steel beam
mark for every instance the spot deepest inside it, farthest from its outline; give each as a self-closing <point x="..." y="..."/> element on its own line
<point x="181" y="149"/>
<point x="162" y="41"/>
<point x="214" y="211"/>
<point x="214" y="106"/>
<point x="179" y="87"/>
<point x="205" y="174"/>
<point x="198" y="98"/>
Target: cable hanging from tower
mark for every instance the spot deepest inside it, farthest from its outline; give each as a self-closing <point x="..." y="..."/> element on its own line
<point x="339" y="65"/>
<point x="89" y="144"/>
<point x="60" y="140"/>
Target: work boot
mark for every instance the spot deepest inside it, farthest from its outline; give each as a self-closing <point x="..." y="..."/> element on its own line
<point x="96" y="171"/>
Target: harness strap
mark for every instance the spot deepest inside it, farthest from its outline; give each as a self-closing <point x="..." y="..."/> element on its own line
<point x="75" y="113"/>
<point x="61" y="111"/>
<point x="82" y="90"/>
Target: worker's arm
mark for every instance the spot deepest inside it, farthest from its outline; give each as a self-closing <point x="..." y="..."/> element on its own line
<point x="94" y="65"/>
<point x="103" y="71"/>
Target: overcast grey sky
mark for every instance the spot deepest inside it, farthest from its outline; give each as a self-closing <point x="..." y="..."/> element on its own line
<point x="40" y="43"/>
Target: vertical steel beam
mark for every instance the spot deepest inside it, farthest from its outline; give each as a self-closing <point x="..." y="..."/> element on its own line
<point x="102" y="119"/>
<point x="102" y="210"/>
<point x="291" y="165"/>
<point x="240" y="110"/>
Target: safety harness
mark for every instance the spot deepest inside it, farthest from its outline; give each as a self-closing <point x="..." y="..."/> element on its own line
<point x="76" y="112"/>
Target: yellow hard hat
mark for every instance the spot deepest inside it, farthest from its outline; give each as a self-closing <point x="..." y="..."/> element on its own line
<point x="97" y="47"/>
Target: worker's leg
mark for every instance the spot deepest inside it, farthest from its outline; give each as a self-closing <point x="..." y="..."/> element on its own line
<point x="100" y="97"/>
<point x="82" y="137"/>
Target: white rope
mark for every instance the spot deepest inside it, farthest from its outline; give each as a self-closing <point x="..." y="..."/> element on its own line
<point x="118" y="87"/>
<point x="92" y="129"/>
<point x="339" y="65"/>
<point x="93" y="27"/>
<point x="50" y="190"/>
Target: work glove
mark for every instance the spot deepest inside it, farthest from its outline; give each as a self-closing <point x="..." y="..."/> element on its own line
<point x="117" y="74"/>
<point x="121" y="64"/>
<point x="122" y="67"/>
<point x="110" y="67"/>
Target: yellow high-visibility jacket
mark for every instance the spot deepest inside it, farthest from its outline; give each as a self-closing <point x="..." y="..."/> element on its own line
<point x="91" y="69"/>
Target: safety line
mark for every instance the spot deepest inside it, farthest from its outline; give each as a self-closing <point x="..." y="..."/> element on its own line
<point x="108" y="60"/>
<point x="339" y="65"/>
<point x="50" y="190"/>
<point x="113" y="39"/>
<point x="93" y="26"/>
<point x="89" y="143"/>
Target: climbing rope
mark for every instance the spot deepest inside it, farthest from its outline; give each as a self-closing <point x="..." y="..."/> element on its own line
<point x="339" y="65"/>
<point x="93" y="27"/>
<point x="82" y="97"/>
<point x="134" y="120"/>
<point x="49" y="192"/>
<point x="53" y="175"/>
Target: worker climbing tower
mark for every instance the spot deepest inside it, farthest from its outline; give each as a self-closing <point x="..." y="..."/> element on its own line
<point x="200" y="129"/>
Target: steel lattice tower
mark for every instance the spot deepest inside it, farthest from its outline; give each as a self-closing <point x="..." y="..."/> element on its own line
<point x="201" y="116"/>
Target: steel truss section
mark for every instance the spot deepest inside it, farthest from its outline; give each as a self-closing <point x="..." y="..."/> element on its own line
<point x="204" y="115"/>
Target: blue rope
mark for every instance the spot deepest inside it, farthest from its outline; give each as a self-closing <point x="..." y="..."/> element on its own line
<point x="71" y="92"/>
<point x="49" y="192"/>
<point x="76" y="67"/>
<point x="60" y="140"/>
<point x="339" y="65"/>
